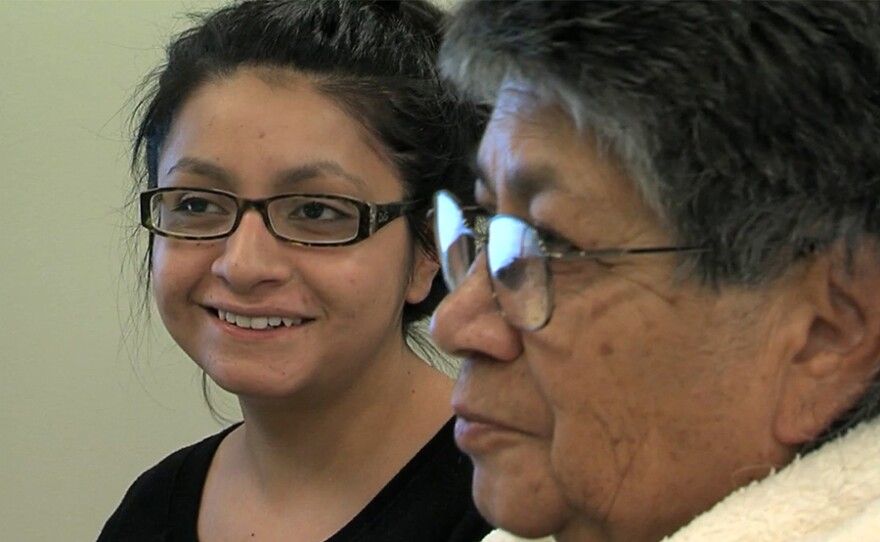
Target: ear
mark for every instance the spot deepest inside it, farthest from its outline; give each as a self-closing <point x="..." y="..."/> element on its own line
<point x="424" y="269"/>
<point x="836" y="351"/>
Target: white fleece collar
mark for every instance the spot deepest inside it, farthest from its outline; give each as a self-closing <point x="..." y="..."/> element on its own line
<point x="831" y="495"/>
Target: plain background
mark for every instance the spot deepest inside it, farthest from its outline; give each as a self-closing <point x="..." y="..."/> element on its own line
<point x="91" y="393"/>
<point x="82" y="412"/>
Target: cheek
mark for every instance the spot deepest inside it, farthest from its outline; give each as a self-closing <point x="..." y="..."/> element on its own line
<point x="594" y="359"/>
<point x="600" y="366"/>
<point x="176" y="271"/>
<point x="644" y="392"/>
<point x="364" y="282"/>
<point x="162" y="278"/>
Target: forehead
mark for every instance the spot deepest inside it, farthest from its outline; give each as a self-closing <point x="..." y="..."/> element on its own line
<point x="534" y="161"/>
<point x="532" y="147"/>
<point x="260" y="132"/>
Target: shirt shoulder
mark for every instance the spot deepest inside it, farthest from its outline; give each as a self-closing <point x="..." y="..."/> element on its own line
<point x="146" y="513"/>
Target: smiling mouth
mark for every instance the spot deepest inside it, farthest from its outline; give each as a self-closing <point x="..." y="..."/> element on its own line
<point x="259" y="322"/>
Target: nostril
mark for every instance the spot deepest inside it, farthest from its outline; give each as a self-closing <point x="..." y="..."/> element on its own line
<point x="247" y="262"/>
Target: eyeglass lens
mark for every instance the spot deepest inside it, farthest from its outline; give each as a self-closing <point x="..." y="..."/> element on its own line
<point x="192" y="213"/>
<point x="517" y="268"/>
<point x="454" y="240"/>
<point x="519" y="272"/>
<point x="296" y="217"/>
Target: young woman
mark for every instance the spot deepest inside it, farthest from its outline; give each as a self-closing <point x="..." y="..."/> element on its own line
<point x="289" y="152"/>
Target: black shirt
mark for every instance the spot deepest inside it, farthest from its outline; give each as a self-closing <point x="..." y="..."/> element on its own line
<point x="429" y="500"/>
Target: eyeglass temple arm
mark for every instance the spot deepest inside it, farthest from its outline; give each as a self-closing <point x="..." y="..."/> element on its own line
<point x="382" y="214"/>
<point x="617" y="252"/>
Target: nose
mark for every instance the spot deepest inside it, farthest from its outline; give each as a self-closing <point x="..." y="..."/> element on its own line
<point x="468" y="324"/>
<point x="252" y="256"/>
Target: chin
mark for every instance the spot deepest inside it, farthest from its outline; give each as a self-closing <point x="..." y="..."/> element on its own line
<point x="244" y="390"/>
<point x="252" y="382"/>
<point x="519" y="502"/>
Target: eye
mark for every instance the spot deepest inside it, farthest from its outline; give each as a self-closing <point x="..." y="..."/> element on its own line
<point x="484" y="204"/>
<point x="555" y="243"/>
<point x="316" y="211"/>
<point x="572" y="254"/>
<point x="198" y="204"/>
<point x="299" y="208"/>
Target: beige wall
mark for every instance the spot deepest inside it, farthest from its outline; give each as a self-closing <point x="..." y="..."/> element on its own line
<point x="79" y="417"/>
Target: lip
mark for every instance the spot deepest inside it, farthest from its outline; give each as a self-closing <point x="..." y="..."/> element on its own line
<point x="476" y="433"/>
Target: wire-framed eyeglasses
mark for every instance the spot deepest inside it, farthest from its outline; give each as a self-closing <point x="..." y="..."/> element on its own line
<point x="517" y="258"/>
<point x="203" y="214"/>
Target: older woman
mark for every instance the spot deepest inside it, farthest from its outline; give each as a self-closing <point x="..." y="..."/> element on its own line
<point x="674" y="327"/>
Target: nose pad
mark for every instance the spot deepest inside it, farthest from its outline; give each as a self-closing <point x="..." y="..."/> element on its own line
<point x="468" y="322"/>
<point x="252" y="255"/>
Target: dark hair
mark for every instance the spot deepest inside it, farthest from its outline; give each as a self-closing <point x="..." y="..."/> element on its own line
<point x="375" y="59"/>
<point x="751" y="128"/>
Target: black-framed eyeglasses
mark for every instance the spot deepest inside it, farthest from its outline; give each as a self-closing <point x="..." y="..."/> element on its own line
<point x="203" y="214"/>
<point x="517" y="258"/>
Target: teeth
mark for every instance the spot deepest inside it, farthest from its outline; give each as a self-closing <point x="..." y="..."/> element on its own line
<point x="257" y="322"/>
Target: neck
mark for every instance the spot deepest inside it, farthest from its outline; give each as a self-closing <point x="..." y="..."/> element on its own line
<point x="324" y="442"/>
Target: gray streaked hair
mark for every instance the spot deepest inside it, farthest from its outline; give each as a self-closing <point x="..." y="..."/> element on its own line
<point x="753" y="129"/>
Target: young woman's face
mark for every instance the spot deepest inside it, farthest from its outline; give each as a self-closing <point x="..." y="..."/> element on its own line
<point x="340" y="307"/>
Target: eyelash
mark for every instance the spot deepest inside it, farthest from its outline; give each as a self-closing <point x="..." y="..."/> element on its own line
<point x="555" y="242"/>
<point x="489" y="210"/>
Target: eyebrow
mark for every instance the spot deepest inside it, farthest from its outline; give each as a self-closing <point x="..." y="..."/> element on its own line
<point x="291" y="177"/>
<point x="287" y="179"/>
<point x="523" y="183"/>
<point x="202" y="168"/>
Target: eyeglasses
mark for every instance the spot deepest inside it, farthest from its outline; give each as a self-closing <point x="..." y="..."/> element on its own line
<point x="202" y="214"/>
<point x="517" y="258"/>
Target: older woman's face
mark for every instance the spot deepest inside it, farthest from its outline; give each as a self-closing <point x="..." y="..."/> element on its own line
<point x="645" y="400"/>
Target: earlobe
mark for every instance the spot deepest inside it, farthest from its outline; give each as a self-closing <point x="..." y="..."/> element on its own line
<point x="424" y="270"/>
<point x="837" y="354"/>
